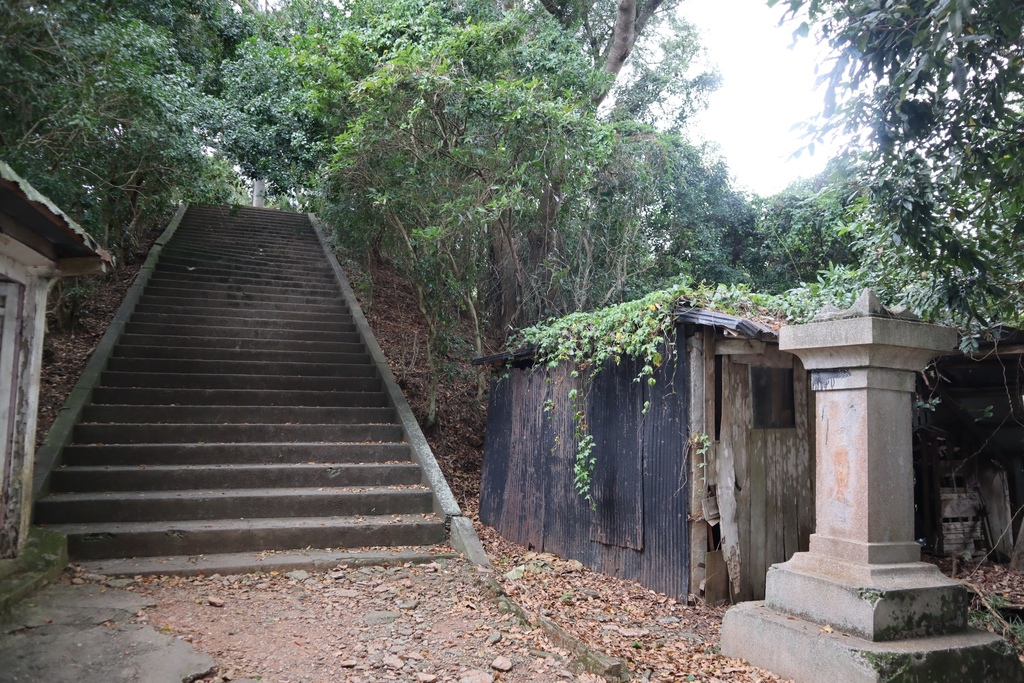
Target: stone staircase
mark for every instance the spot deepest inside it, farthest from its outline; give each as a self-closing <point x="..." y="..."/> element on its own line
<point x="240" y="411"/>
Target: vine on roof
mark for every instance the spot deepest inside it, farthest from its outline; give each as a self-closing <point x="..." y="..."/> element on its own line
<point x="642" y="330"/>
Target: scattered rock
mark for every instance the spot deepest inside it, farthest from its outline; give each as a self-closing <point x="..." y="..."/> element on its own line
<point x="502" y="663"/>
<point x="408" y="604"/>
<point x="424" y="677"/>
<point x="297" y="575"/>
<point x="393" y="662"/>
<point x="346" y="593"/>
<point x="380" y="618"/>
<point x="476" y="676"/>
<point x="494" y="638"/>
<point x="214" y="601"/>
<point x="348" y="664"/>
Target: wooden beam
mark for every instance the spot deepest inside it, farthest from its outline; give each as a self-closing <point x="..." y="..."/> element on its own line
<point x="729" y="347"/>
<point x="84" y="265"/>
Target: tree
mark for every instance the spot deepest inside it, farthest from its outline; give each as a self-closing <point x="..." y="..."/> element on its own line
<point x="101" y="111"/>
<point x="931" y="91"/>
<point x="803" y="229"/>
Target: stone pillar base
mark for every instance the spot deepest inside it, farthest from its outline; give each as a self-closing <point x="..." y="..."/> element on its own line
<point x="807" y="653"/>
<point x="876" y="602"/>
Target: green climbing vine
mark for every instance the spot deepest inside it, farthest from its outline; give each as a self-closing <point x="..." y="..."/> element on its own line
<point x="643" y="330"/>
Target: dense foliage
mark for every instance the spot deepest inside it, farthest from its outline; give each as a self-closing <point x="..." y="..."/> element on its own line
<point x="931" y="92"/>
<point x="106" y="105"/>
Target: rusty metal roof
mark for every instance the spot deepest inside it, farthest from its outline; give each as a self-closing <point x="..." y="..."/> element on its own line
<point x="27" y="206"/>
<point x="686" y="313"/>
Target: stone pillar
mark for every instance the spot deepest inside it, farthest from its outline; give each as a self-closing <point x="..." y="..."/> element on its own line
<point x="860" y="605"/>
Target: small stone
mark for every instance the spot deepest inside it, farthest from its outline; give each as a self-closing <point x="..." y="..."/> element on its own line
<point x="345" y="593"/>
<point x="380" y="618"/>
<point x="297" y="575"/>
<point x="475" y="676"/>
<point x="348" y="664"/>
<point x="502" y="663"/>
<point x="77" y="581"/>
<point x="393" y="662"/>
<point x="668" y="620"/>
<point x="119" y="583"/>
<point x="425" y="677"/>
<point x="516" y="573"/>
<point x="408" y="604"/>
<point x="214" y="601"/>
<point x="495" y="637"/>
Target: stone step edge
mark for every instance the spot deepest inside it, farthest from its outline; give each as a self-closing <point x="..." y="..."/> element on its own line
<point x="225" y="494"/>
<point x="281" y="561"/>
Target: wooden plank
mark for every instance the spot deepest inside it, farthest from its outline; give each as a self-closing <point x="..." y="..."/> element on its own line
<point x="716" y="585"/>
<point x="735" y="424"/>
<point x="729" y="487"/>
<point x="807" y="464"/>
<point x="726" y="347"/>
<point x="757" y="566"/>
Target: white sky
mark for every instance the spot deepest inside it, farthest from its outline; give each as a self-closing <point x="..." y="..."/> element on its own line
<point x="766" y="88"/>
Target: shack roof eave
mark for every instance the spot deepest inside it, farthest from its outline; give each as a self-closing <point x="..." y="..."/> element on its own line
<point x="29" y="208"/>
<point x="687" y="314"/>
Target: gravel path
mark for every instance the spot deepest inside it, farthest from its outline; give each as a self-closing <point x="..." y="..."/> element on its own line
<point x="421" y="623"/>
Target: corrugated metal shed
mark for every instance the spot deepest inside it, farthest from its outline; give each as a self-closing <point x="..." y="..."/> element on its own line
<point x="638" y="529"/>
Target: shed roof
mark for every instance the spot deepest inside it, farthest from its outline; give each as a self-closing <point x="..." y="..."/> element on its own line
<point x="40" y="225"/>
<point x="684" y="313"/>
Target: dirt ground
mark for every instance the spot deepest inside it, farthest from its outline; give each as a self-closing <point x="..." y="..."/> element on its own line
<point x="432" y="622"/>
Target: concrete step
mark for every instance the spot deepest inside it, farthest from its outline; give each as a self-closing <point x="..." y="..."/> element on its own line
<point x="250" y="311"/>
<point x="148" y="455"/>
<point x="249" y="476"/>
<point x="298" y="282"/>
<point x="218" y="414"/>
<point x="198" y="353"/>
<point x="277" y="256"/>
<point x="269" y="295"/>
<point x="240" y="344"/>
<point x="168" y="433"/>
<point x="232" y="263"/>
<point x="241" y="367"/>
<point x="200" y="537"/>
<point x="310" y="323"/>
<point x="154" y="380"/>
<point x="213" y="504"/>
<point x="213" y="272"/>
<point x="161" y="281"/>
<point x="227" y="564"/>
<point x="243" y="333"/>
<point x="150" y="303"/>
<point x="237" y="397"/>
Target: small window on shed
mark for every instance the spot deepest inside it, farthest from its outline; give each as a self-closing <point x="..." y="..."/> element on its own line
<point x="771" y="392"/>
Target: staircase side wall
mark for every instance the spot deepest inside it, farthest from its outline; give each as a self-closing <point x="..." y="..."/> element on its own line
<point x="462" y="535"/>
<point x="48" y="456"/>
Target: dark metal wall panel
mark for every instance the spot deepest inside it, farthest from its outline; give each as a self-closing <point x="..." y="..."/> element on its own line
<point x="527" y="491"/>
<point x="614" y="413"/>
<point x="667" y="487"/>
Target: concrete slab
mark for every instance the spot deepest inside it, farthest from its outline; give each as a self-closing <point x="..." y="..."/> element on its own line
<point x="82" y="634"/>
<point x="244" y="563"/>
<point x="811" y="653"/>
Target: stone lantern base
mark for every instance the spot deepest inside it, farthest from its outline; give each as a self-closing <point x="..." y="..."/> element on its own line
<point x="808" y="652"/>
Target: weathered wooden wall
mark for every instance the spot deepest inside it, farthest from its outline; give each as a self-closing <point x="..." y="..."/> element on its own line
<point x="765" y="477"/>
<point x="639" y="529"/>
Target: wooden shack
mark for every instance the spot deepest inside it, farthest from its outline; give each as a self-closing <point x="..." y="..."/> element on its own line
<point x="38" y="245"/>
<point x="969" y="452"/>
<point x="697" y="495"/>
